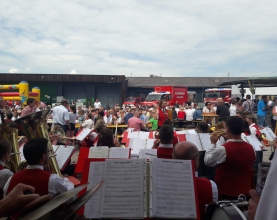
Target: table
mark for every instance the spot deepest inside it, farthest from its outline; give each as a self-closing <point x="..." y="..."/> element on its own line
<point x="118" y="126"/>
<point x="212" y="116"/>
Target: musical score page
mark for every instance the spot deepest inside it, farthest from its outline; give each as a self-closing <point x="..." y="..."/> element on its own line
<point x="98" y="152"/>
<point x="143" y="135"/>
<point x="93" y="206"/>
<point x="271" y="133"/>
<point x="62" y="154"/>
<point x="254" y="141"/>
<point x="136" y="144"/>
<point x="194" y="138"/>
<point x="133" y="134"/>
<point x="149" y="143"/>
<point x="117" y="152"/>
<point x="83" y="134"/>
<point x="22" y="158"/>
<point x="147" y="153"/>
<point x="172" y="188"/>
<point x="123" y="195"/>
<point x="205" y="140"/>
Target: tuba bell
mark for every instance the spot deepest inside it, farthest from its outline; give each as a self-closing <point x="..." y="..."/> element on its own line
<point x="262" y="137"/>
<point x="11" y="134"/>
<point x="34" y="126"/>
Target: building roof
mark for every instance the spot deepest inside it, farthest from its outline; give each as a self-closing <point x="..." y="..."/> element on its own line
<point x="147" y="82"/>
<point x="257" y="81"/>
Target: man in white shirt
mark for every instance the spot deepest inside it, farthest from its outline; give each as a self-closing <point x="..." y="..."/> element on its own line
<point x="36" y="153"/>
<point x="189" y="113"/>
<point x="61" y="115"/>
<point x="89" y="123"/>
<point x="108" y="117"/>
<point x="97" y="104"/>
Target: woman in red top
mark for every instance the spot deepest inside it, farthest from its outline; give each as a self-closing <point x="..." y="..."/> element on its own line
<point x="161" y="113"/>
<point x="181" y="116"/>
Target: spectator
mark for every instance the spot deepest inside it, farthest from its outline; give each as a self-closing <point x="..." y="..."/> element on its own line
<point x="135" y="122"/>
<point x="262" y="108"/>
<point x="129" y="115"/>
<point x="189" y="113"/>
<point x="222" y="110"/>
<point x="97" y="104"/>
<point x="108" y="117"/>
<point x="88" y="122"/>
<point x="30" y="108"/>
<point x="248" y="105"/>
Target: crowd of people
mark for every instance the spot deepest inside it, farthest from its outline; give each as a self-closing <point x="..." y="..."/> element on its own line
<point x="230" y="155"/>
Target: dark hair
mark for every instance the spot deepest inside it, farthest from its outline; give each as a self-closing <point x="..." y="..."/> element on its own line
<point x="99" y="125"/>
<point x="9" y="115"/>
<point x="64" y="102"/>
<point x="167" y="122"/>
<point x="166" y="134"/>
<point x="252" y="118"/>
<point x="246" y="127"/>
<point x="5" y="147"/>
<point x="207" y="103"/>
<point x="105" y="138"/>
<point x="235" y="124"/>
<point x="34" y="149"/>
<point x="73" y="108"/>
<point x="30" y="101"/>
<point x="248" y="96"/>
<point x="203" y="127"/>
<point x="101" y="114"/>
<point x="89" y="115"/>
<point x="234" y="101"/>
<point x="240" y="113"/>
<point x="263" y="97"/>
<point x="224" y="118"/>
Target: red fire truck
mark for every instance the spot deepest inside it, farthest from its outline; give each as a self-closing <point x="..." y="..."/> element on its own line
<point x="170" y="94"/>
<point x="211" y="95"/>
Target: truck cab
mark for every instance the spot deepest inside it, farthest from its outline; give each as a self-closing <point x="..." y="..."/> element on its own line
<point x="154" y="98"/>
<point x="211" y="95"/>
<point x="132" y="101"/>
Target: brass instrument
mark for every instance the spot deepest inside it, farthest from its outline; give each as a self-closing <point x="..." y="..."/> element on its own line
<point x="34" y="126"/>
<point x="219" y="133"/>
<point x="11" y="134"/>
<point x="262" y="137"/>
<point x="57" y="130"/>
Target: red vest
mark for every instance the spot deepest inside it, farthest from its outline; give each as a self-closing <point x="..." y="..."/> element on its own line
<point x="204" y="194"/>
<point x="240" y="156"/>
<point x="37" y="178"/>
<point x="165" y="153"/>
<point x="162" y="117"/>
<point x="257" y="129"/>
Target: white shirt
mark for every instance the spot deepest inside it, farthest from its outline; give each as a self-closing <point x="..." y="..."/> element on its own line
<point x="233" y="110"/>
<point x="56" y="184"/>
<point x="108" y="119"/>
<point x="72" y="117"/>
<point x="60" y="115"/>
<point x="217" y="154"/>
<point x="5" y="174"/>
<point x="97" y="104"/>
<point x="88" y="124"/>
<point x="206" y="110"/>
<point x="252" y="129"/>
<point x="189" y="114"/>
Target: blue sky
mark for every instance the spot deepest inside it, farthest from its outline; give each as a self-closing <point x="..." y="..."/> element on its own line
<point x="120" y="37"/>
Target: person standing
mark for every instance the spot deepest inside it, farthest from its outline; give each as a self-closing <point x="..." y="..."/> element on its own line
<point x="30" y="108"/>
<point x="2" y="103"/>
<point x="261" y="113"/>
<point x="248" y="105"/>
<point x="97" y="104"/>
<point x="161" y="113"/>
<point x="72" y="120"/>
<point x="135" y="122"/>
<point x="61" y="115"/>
<point x="222" y="110"/>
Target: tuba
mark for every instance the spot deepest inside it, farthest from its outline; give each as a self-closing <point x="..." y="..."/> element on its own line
<point x="11" y="134"/>
<point x="34" y="126"/>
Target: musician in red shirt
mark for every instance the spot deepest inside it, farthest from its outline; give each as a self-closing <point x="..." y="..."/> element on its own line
<point x="36" y="154"/>
<point x="161" y="113"/>
<point x="206" y="189"/>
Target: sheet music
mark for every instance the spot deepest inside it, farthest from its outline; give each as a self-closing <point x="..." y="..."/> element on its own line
<point x="93" y="206"/>
<point x="254" y="141"/>
<point x="205" y="140"/>
<point x="117" y="152"/>
<point x="98" y="152"/>
<point x="62" y="154"/>
<point x="148" y="153"/>
<point x="181" y="132"/>
<point x="271" y="133"/>
<point x="133" y="134"/>
<point x="172" y="189"/>
<point x="22" y="158"/>
<point x="194" y="138"/>
<point x="136" y="144"/>
<point x="143" y="135"/>
<point x="149" y="143"/>
<point x="83" y="134"/>
<point x="123" y="196"/>
<point x="191" y="131"/>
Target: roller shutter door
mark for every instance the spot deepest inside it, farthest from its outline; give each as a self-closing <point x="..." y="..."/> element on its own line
<point x="109" y="95"/>
<point x="75" y="92"/>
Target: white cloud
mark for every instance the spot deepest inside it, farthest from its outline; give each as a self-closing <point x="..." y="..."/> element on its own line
<point x="28" y="70"/>
<point x="73" y="71"/>
<point x="13" y="70"/>
<point x="175" y="38"/>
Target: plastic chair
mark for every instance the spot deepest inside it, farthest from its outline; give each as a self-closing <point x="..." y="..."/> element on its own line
<point x="235" y="183"/>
